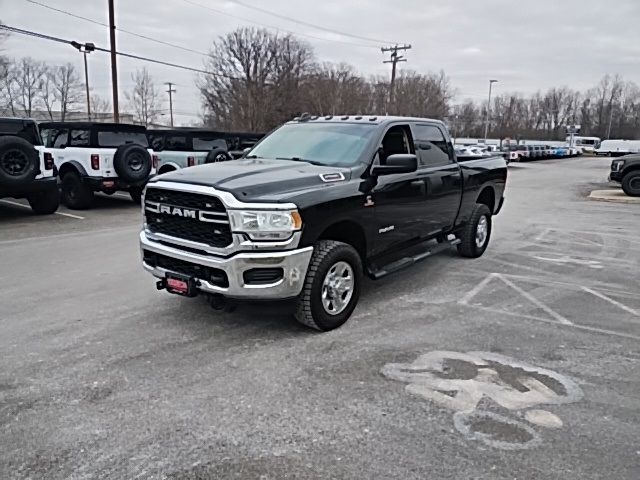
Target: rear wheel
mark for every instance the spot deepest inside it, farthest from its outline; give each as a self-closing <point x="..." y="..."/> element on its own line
<point x="631" y="183"/>
<point x="332" y="286"/>
<point x="476" y="233"/>
<point x="75" y="194"/>
<point x="45" y="202"/>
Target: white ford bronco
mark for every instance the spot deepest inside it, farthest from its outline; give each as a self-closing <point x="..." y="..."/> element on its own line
<point x="99" y="157"/>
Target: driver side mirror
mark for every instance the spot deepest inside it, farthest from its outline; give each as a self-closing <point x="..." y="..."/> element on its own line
<point x="398" y="163"/>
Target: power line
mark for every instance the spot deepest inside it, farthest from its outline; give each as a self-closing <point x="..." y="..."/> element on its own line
<point x="308" y="24"/>
<point x="272" y="27"/>
<point x="106" y="50"/>
<point x="96" y="22"/>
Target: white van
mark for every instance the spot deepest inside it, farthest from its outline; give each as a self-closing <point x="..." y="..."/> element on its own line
<point x="616" y="148"/>
<point x="586" y="144"/>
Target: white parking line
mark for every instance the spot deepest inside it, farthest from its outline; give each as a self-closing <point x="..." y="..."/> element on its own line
<point x="70" y="215"/>
<point x="611" y="301"/>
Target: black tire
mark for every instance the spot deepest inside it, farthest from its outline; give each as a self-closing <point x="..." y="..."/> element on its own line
<point x="218" y="154"/>
<point x="19" y="162"/>
<point x="469" y="246"/>
<point x="45" y="202"/>
<point x="310" y="310"/>
<point x="136" y="194"/>
<point x="132" y="162"/>
<point x="631" y="183"/>
<point x="75" y="194"/>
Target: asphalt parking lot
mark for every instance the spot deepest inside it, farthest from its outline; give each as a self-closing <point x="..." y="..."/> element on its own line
<point x="524" y="363"/>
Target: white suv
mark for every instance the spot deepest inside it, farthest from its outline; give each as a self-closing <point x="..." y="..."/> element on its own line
<point x="27" y="169"/>
<point x="99" y="157"/>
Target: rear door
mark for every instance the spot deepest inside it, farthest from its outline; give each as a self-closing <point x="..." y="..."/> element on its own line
<point x="441" y="176"/>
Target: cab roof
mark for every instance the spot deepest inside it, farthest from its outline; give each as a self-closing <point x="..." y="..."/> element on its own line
<point x="372" y="119"/>
<point x="82" y="125"/>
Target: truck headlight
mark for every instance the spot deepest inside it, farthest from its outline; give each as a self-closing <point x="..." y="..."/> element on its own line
<point x="616" y="165"/>
<point x="265" y="224"/>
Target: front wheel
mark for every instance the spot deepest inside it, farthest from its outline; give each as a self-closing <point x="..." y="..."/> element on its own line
<point x="631" y="183"/>
<point x="474" y="237"/>
<point x="136" y="195"/>
<point x="45" y="202"/>
<point x="332" y="286"/>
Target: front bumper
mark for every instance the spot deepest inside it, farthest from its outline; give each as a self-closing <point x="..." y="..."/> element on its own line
<point x="294" y="264"/>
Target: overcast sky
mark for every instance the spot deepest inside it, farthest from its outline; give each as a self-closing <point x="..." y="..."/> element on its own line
<point x="527" y="44"/>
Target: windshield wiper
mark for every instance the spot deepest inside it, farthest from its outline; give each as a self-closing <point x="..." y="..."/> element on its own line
<point x="252" y="156"/>
<point x="298" y="159"/>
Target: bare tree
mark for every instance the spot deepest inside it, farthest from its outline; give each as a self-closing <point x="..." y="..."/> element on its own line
<point x="333" y="89"/>
<point x="99" y="105"/>
<point x="144" y="99"/>
<point x="25" y="84"/>
<point x="48" y="93"/>
<point x="255" y="79"/>
<point x="68" y="89"/>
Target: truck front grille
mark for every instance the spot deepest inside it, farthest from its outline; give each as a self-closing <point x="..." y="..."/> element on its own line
<point x="165" y="213"/>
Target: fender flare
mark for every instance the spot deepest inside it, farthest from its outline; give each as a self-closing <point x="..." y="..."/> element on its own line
<point x="76" y="165"/>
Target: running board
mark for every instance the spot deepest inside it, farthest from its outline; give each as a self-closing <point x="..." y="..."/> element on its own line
<point x="408" y="261"/>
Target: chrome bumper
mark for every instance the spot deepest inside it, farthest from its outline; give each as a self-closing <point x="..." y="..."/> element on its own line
<point x="293" y="262"/>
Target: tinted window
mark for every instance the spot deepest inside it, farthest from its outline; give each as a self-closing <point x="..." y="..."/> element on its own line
<point x="156" y="141"/>
<point x="113" y="139"/>
<point x="57" y="137"/>
<point x="206" y="143"/>
<point x="79" y="138"/>
<point x="323" y="143"/>
<point x="175" y="142"/>
<point x="431" y="146"/>
<point x="26" y="130"/>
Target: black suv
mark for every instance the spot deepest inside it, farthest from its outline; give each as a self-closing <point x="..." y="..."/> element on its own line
<point x="27" y="169"/>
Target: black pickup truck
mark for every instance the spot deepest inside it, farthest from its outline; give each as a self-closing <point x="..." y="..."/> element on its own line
<point x="626" y="171"/>
<point x="312" y="207"/>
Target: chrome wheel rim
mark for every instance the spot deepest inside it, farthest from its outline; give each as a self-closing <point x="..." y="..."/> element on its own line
<point x="337" y="288"/>
<point x="482" y="231"/>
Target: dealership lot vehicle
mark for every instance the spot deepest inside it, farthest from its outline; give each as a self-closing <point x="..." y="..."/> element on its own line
<point x="626" y="171"/>
<point x="99" y="157"/>
<point x="312" y="207"/>
<point x="27" y="168"/>
<point x="554" y="302"/>
<point x="182" y="148"/>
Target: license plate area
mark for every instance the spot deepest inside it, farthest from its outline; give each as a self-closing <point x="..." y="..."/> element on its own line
<point x="180" y="284"/>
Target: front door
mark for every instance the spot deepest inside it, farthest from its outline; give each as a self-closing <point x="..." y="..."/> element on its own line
<point x="398" y="200"/>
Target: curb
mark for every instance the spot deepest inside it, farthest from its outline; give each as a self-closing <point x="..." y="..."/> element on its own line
<point x="614" y="196"/>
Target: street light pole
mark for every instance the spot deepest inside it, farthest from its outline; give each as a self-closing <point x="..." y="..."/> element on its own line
<point x="486" y="121"/>
<point x="86" y="84"/>
<point x="86" y="48"/>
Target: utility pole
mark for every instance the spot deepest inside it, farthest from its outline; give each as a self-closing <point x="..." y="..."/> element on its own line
<point x="114" y="66"/>
<point x="486" y="121"/>
<point x="171" y="91"/>
<point x="394" y="59"/>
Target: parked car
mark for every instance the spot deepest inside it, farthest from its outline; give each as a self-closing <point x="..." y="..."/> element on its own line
<point x="27" y="169"/>
<point x="315" y="205"/>
<point x="626" y="171"/>
<point x="99" y="157"/>
<point x="182" y="148"/>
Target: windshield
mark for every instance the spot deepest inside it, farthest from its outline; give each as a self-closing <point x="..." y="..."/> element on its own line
<point x="206" y="143"/>
<point x="115" y="139"/>
<point x="323" y="143"/>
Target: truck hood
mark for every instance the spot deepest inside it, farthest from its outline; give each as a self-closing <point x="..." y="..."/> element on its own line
<point x="260" y="179"/>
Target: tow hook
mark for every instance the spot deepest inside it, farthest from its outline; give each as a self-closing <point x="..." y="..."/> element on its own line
<point x="161" y="284"/>
<point x="220" y="302"/>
